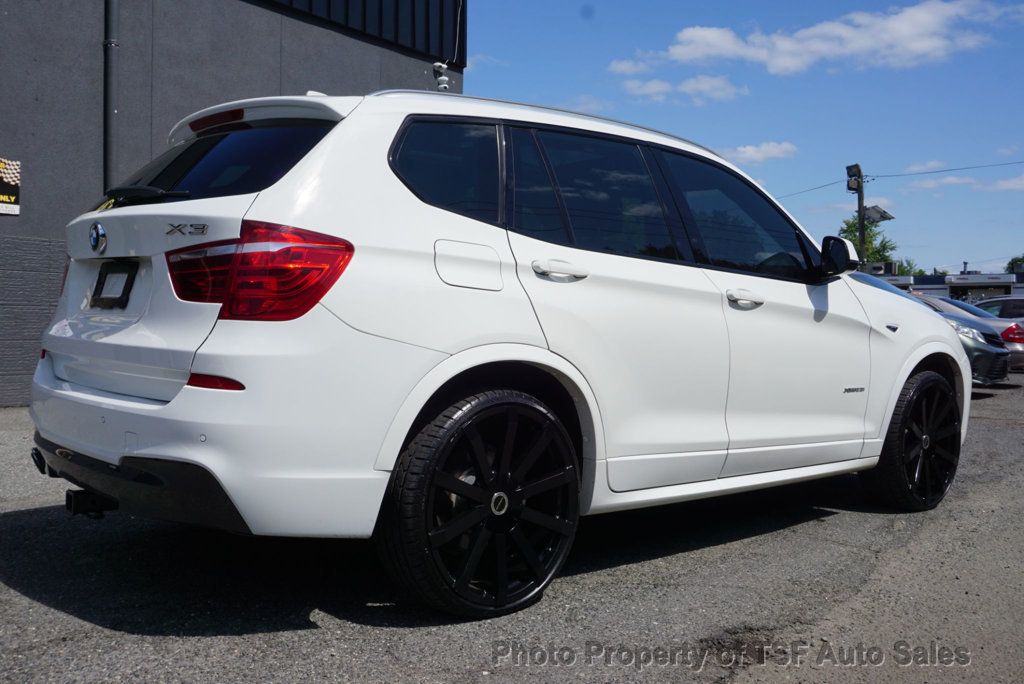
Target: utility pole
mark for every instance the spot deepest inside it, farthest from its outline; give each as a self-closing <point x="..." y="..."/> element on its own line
<point x="855" y="183"/>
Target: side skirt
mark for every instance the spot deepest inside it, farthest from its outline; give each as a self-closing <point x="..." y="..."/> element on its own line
<point x="605" y="500"/>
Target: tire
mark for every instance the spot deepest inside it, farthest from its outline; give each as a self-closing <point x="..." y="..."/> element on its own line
<point x="922" y="446"/>
<point x="482" y="507"/>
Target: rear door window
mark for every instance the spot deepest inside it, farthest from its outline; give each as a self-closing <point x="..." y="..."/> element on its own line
<point x="451" y="165"/>
<point x="235" y="159"/>
<point x="741" y="230"/>
<point x="609" y="195"/>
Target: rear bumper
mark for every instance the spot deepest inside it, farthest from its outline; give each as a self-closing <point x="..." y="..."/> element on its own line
<point x="293" y="453"/>
<point x="167" y="490"/>
<point x="1016" y="355"/>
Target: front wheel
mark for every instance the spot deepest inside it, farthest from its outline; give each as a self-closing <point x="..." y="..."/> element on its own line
<point x="922" y="447"/>
<point x="483" y="506"/>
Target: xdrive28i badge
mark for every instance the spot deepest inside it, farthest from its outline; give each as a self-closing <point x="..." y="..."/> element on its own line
<point x="97" y="238"/>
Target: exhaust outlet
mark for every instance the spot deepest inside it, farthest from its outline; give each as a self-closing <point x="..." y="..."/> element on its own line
<point x="39" y="461"/>
<point x="88" y="503"/>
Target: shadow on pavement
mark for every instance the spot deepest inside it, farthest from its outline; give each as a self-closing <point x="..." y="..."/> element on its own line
<point x="145" y="577"/>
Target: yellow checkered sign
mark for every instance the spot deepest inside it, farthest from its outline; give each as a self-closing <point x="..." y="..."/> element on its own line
<point x="10" y="187"/>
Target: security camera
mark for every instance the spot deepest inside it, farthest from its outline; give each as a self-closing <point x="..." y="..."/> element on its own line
<point x="442" y="83"/>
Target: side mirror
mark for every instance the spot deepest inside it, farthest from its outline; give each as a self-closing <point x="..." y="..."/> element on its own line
<point x="837" y="256"/>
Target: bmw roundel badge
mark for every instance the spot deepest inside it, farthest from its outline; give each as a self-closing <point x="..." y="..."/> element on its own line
<point x="98" y="238"/>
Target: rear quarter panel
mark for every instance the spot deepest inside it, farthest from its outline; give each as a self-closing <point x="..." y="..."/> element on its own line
<point x="392" y="287"/>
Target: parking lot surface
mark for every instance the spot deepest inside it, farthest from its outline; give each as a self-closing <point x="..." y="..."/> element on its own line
<point x="801" y="583"/>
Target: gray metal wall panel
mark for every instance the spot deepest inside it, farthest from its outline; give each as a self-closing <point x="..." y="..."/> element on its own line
<point x="51" y="119"/>
<point x="176" y="56"/>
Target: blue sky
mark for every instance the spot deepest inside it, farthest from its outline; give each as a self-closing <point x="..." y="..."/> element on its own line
<point x="793" y="92"/>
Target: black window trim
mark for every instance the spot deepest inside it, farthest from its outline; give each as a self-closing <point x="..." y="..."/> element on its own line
<point x="510" y="173"/>
<point x="677" y="218"/>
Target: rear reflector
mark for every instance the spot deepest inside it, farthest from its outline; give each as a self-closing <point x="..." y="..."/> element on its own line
<point x="270" y="273"/>
<point x="1014" y="334"/>
<point x="213" y="382"/>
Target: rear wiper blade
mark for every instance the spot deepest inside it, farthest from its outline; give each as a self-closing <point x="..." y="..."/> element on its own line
<point x="144" y="192"/>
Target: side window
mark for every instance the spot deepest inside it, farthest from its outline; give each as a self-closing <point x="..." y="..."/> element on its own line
<point x="609" y="196"/>
<point x="452" y="165"/>
<point x="740" y="228"/>
<point x="535" y="210"/>
<point x="1013" y="308"/>
<point x="992" y="307"/>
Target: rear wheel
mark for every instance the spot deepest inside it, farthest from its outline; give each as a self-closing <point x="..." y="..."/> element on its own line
<point x="922" y="447"/>
<point x="483" y="505"/>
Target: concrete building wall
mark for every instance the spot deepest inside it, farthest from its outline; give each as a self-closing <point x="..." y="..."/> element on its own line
<point x="176" y="56"/>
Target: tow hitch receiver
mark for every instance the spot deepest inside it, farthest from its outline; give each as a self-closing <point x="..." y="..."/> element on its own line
<point x="88" y="503"/>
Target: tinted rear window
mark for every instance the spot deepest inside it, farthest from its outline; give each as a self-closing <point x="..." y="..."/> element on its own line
<point x="453" y="166"/>
<point x="233" y="160"/>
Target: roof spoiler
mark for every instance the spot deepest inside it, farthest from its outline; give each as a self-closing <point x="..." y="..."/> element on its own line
<point x="316" y="107"/>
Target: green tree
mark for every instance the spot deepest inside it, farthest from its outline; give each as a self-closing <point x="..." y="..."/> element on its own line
<point x="879" y="247"/>
<point x="1013" y="262"/>
<point x="907" y="266"/>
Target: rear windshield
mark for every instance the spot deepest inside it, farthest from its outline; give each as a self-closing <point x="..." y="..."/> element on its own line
<point x="234" y="159"/>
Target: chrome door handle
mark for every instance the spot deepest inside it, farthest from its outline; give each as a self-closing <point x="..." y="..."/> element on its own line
<point x="744" y="297"/>
<point x="557" y="267"/>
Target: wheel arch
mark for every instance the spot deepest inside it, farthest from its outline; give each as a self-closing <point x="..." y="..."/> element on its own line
<point x="533" y="370"/>
<point x="936" y="357"/>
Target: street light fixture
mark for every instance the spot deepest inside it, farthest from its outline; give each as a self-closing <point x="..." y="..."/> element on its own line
<point x="877" y="214"/>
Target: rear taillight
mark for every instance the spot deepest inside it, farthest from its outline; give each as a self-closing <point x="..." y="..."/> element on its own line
<point x="270" y="273"/>
<point x="1014" y="333"/>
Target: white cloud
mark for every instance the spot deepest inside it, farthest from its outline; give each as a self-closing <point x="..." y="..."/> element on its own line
<point x="1010" y="183"/>
<point x="629" y="67"/>
<point x="480" y="59"/>
<point x="932" y="165"/>
<point x="655" y="89"/>
<point x="755" y="154"/>
<point x="588" y="104"/>
<point x="931" y="183"/>
<point x="929" y="31"/>
<point x="1008" y="150"/>
<point x="703" y="88"/>
<point x="700" y="89"/>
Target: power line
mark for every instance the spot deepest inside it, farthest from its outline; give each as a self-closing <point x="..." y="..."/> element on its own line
<point x="816" y="187"/>
<point x="902" y="175"/>
<point x="958" y="168"/>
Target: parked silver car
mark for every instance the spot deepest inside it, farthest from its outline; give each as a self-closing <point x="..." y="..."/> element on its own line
<point x="1004" y="306"/>
<point x="1012" y="331"/>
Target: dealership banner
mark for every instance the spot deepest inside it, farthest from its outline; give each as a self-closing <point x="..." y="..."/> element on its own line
<point x="10" y="186"/>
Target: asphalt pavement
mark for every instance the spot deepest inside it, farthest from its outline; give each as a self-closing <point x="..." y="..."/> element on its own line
<point x="799" y="583"/>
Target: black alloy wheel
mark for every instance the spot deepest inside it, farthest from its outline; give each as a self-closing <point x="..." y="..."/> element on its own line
<point x="922" y="447"/>
<point x="487" y="503"/>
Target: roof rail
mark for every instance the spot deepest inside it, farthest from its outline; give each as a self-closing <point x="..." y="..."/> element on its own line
<point x="401" y="91"/>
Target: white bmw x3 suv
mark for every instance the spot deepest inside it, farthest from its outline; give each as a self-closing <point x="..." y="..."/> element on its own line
<point x="457" y="325"/>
